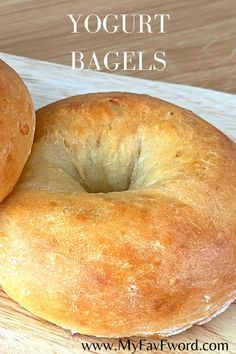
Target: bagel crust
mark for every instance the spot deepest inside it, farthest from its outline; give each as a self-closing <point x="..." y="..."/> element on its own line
<point x="123" y="222"/>
<point x="17" y="123"/>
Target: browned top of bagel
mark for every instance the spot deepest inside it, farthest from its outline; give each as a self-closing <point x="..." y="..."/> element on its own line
<point x="123" y="222"/>
<point x="17" y="121"/>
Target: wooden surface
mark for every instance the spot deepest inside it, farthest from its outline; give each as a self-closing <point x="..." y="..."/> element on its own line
<point x="20" y="332"/>
<point x="200" y="42"/>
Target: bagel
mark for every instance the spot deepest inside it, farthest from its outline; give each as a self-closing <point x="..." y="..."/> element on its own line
<point x="17" y="121"/>
<point x="123" y="221"/>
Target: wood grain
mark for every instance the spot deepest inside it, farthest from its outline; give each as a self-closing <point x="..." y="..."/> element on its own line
<point x="200" y="41"/>
<point x="20" y="332"/>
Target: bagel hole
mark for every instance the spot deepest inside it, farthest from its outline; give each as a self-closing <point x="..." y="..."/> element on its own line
<point x="102" y="187"/>
<point x="99" y="177"/>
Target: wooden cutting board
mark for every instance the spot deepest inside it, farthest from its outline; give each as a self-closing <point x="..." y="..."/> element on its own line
<point x="20" y="332"/>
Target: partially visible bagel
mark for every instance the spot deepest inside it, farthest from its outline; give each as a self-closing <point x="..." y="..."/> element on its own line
<point x="123" y="222"/>
<point x="17" y="122"/>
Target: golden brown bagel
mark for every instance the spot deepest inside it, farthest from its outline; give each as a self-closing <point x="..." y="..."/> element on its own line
<point x="123" y="222"/>
<point x="17" y="121"/>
